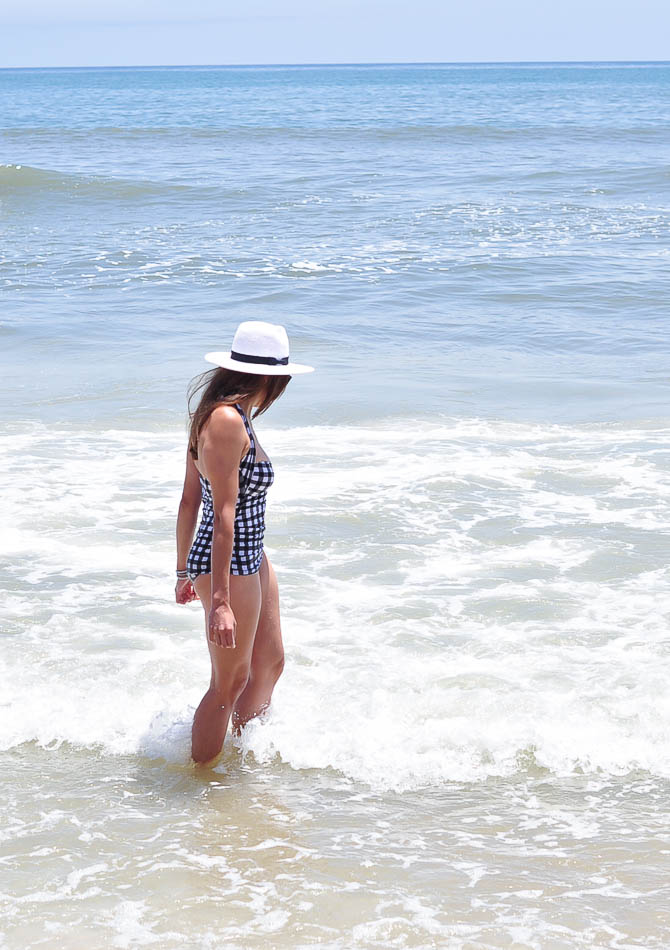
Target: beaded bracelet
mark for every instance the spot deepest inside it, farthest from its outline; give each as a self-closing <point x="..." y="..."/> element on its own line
<point x="181" y="574"/>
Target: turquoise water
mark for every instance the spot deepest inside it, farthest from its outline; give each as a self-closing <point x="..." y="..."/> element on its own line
<point x="470" y="520"/>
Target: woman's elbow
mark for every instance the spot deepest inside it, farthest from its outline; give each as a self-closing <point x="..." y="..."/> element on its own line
<point x="189" y="503"/>
<point x="224" y="518"/>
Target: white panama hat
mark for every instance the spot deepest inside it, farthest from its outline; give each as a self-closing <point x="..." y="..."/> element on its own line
<point x="260" y="348"/>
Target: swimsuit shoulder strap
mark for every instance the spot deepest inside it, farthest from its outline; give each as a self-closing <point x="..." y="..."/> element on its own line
<point x="247" y="427"/>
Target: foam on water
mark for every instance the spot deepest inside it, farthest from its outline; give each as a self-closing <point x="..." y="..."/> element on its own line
<point x="460" y="598"/>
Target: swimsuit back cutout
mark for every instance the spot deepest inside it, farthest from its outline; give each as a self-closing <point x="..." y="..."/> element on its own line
<point x="257" y="476"/>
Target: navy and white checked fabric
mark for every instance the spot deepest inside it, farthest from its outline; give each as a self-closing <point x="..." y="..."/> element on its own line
<point x="255" y="479"/>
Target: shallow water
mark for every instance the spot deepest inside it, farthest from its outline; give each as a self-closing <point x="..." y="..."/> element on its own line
<point x="468" y="747"/>
<point x="249" y="856"/>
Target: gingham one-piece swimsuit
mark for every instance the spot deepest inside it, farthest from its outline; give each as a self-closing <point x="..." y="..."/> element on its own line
<point x="255" y="479"/>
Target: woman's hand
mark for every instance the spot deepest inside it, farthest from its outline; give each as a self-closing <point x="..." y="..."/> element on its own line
<point x="221" y="626"/>
<point x="184" y="591"/>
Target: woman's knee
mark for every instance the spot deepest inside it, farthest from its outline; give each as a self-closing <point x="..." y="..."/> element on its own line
<point x="267" y="668"/>
<point x="231" y="683"/>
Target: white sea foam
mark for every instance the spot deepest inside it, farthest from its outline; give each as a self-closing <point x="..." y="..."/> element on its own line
<point x="457" y="597"/>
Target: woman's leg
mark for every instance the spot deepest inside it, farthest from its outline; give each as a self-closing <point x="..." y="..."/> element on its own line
<point x="230" y="666"/>
<point x="267" y="659"/>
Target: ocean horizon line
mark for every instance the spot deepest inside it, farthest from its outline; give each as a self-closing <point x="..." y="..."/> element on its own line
<point x="341" y="65"/>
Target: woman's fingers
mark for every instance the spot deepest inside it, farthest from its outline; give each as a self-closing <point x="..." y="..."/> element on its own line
<point x="230" y="633"/>
<point x="223" y="635"/>
<point x="185" y="591"/>
<point x="221" y="626"/>
<point x="215" y="635"/>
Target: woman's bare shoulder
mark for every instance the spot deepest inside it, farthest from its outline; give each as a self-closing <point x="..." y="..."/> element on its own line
<point x="225" y="412"/>
<point x="224" y="424"/>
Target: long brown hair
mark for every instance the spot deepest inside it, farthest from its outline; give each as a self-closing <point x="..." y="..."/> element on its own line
<point x="224" y="387"/>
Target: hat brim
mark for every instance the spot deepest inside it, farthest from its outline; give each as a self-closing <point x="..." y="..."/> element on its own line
<point x="257" y="369"/>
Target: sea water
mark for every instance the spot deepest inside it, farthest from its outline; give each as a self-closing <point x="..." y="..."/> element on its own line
<point x="470" y="744"/>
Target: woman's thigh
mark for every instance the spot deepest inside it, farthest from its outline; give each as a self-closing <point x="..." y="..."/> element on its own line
<point x="245" y="601"/>
<point x="268" y="649"/>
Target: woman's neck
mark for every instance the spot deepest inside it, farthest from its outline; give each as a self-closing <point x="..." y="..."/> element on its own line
<point x="247" y="404"/>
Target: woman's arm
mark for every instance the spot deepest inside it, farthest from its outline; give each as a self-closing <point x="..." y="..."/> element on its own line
<point x="187" y="516"/>
<point x="223" y="441"/>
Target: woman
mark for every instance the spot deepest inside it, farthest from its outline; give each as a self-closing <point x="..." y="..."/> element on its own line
<point x="226" y="566"/>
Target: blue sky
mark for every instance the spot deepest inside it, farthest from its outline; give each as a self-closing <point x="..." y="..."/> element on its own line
<point x="166" y="32"/>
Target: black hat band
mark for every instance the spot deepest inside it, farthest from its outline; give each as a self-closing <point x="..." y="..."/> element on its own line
<point x="267" y="360"/>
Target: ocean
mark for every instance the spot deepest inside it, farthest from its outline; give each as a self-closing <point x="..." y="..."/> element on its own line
<point x="469" y="747"/>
